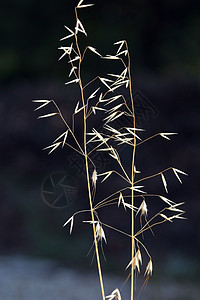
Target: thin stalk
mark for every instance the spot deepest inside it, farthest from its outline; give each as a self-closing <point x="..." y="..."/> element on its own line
<point x="87" y="168"/>
<point x="132" y="180"/>
<point x="92" y="216"/>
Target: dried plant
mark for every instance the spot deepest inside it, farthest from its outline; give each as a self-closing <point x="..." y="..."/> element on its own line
<point x="113" y="100"/>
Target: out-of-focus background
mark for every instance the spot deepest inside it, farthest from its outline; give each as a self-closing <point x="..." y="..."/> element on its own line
<point x="38" y="256"/>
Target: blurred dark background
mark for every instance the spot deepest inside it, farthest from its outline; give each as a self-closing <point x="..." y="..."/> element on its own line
<point x="164" y="42"/>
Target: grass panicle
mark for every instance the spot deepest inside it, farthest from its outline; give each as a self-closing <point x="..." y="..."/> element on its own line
<point x="113" y="99"/>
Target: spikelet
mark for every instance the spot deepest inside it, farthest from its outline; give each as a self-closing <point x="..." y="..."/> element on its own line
<point x="100" y="234"/>
<point x="164" y="182"/>
<point x="149" y="268"/>
<point x="53" y="147"/>
<point x="134" y="263"/>
<point x="68" y="36"/>
<point x="137" y="188"/>
<point x="115" y="295"/>
<point x="166" y="135"/>
<point x="72" y="70"/>
<point x="67" y="50"/>
<point x="84" y="5"/>
<point x="44" y="103"/>
<point x="74" y="59"/>
<point x="166" y="200"/>
<point x="94" y="178"/>
<point x="120" y="43"/>
<point x="108" y="173"/>
<point x="71" y="221"/>
<point x="121" y="200"/>
<point x="47" y="115"/>
<point x="94" y="50"/>
<point x="72" y="81"/>
<point x="176" y="171"/>
<point x="64" y="134"/>
<point x="79" y="28"/>
<point x="174" y="208"/>
<point x="139" y="256"/>
<point x="143" y="209"/>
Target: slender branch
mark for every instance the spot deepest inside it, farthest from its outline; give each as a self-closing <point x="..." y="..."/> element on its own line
<point x="91" y="81"/>
<point x="149" y="138"/>
<point x="118" y="230"/>
<point x="149" y="221"/>
<point x="117" y="192"/>
<point x="68" y="127"/>
<point x="153" y="225"/>
<point x="154" y="175"/>
<point x="74" y="148"/>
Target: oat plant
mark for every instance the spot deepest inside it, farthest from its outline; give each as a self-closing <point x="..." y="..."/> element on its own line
<point x="111" y="97"/>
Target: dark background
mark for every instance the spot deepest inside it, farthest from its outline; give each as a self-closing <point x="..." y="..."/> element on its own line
<point x="163" y="38"/>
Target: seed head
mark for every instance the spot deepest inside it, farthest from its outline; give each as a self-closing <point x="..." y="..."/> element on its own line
<point x="114" y="295"/>
<point x="149" y="268"/>
<point x="143" y="209"/>
<point x="135" y="262"/>
<point x="94" y="178"/>
<point x="139" y="256"/>
<point x="100" y="234"/>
